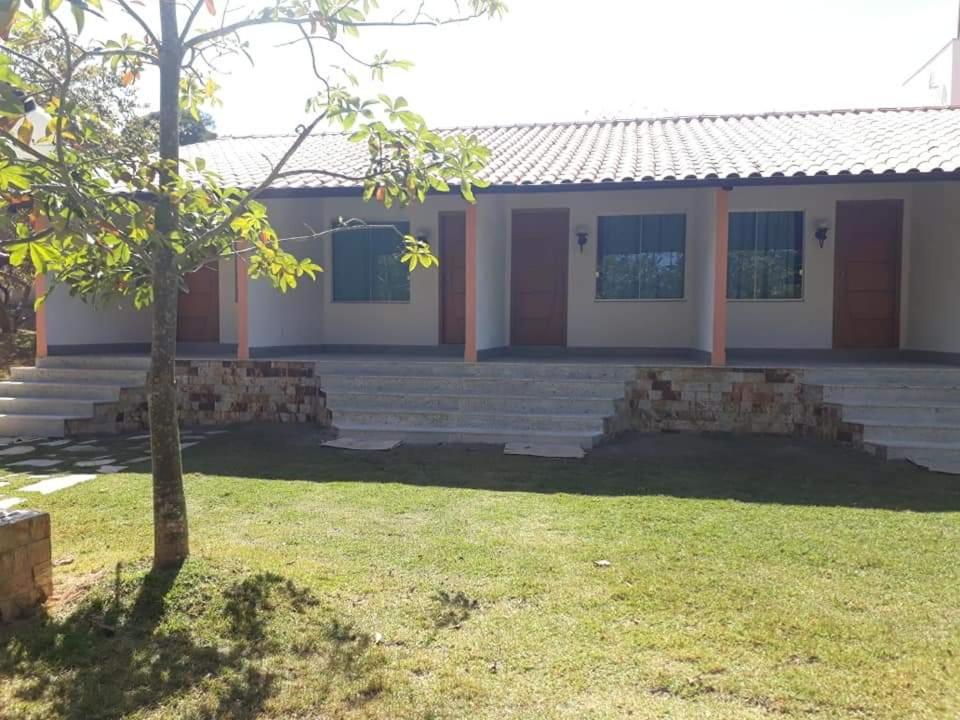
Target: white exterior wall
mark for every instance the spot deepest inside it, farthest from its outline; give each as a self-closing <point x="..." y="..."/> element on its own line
<point x="617" y="323"/>
<point x="493" y="274"/>
<point x="295" y="317"/>
<point x="71" y="321"/>
<point x="934" y="264"/>
<point x="807" y="323"/>
<point x="416" y="322"/>
<point x="937" y="82"/>
<point x="308" y="316"/>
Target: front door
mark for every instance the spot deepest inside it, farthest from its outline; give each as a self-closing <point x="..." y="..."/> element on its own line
<point x="453" y="278"/>
<point x="538" y="277"/>
<point x="867" y="274"/>
<point x="198" y="310"/>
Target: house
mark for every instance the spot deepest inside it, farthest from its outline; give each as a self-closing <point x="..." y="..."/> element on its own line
<point x="782" y="239"/>
<point x="793" y="235"/>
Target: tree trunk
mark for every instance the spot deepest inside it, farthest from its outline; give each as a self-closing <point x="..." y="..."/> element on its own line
<point x="170" y="537"/>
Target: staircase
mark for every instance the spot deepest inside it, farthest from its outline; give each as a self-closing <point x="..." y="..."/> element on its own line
<point x="37" y="401"/>
<point x="494" y="402"/>
<point x="904" y="413"/>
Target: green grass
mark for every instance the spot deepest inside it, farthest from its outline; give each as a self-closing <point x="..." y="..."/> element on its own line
<point x="749" y="578"/>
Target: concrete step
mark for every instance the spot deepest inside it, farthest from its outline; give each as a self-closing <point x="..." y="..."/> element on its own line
<point x="40" y="425"/>
<point x="339" y="400"/>
<point x="517" y="370"/>
<point x="46" y="406"/>
<point x="890" y="395"/>
<point x="919" y="414"/>
<point x="431" y="436"/>
<point x="490" y="422"/>
<point x="80" y="376"/>
<point x="911" y="377"/>
<point x="939" y="457"/>
<point x="595" y="389"/>
<point x="96" y="362"/>
<point x="69" y="390"/>
<point x="882" y="434"/>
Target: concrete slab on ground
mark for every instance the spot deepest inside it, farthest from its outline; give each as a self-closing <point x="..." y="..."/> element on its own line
<point x="571" y="452"/>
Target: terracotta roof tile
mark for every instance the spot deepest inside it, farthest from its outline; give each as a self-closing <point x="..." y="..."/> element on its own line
<point x="774" y="145"/>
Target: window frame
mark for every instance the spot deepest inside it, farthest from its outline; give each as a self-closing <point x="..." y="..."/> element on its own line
<point x="333" y="262"/>
<point x="803" y="256"/>
<point x="596" y="259"/>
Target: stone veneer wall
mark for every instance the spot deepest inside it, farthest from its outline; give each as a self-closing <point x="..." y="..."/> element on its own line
<point x="26" y="573"/>
<point x="220" y="392"/>
<point x="716" y="399"/>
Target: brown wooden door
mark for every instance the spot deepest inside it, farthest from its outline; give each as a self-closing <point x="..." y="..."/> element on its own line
<point x="538" y="277"/>
<point x="866" y="304"/>
<point x="198" y="311"/>
<point x="453" y="278"/>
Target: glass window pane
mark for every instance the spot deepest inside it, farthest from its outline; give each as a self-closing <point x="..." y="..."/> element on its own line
<point x="742" y="242"/>
<point x="780" y="254"/>
<point x="662" y="258"/>
<point x="351" y="265"/>
<point x="618" y="257"/>
<point x="765" y="258"/>
<point x="367" y="265"/>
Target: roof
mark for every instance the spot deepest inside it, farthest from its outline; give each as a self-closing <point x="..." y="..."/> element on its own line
<point x="710" y="149"/>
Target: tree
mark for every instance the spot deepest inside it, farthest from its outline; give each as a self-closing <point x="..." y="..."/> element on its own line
<point x="105" y="224"/>
<point x="191" y="130"/>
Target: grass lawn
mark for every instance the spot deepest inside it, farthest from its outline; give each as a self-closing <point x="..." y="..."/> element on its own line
<point x="748" y="578"/>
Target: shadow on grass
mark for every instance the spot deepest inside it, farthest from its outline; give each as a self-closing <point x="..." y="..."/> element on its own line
<point x="751" y="469"/>
<point x="202" y="654"/>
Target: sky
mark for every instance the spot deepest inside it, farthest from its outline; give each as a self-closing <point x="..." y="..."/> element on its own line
<point x="551" y="60"/>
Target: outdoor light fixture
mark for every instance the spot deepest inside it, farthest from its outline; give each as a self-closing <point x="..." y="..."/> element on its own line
<point x="423" y="235"/>
<point x="821" y="232"/>
<point x="582" y="234"/>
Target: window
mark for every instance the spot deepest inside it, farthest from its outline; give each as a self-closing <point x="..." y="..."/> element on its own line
<point x="367" y="267"/>
<point x="640" y="256"/>
<point x="765" y="259"/>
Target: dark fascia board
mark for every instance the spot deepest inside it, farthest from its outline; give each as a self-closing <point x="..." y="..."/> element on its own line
<point x="728" y="183"/>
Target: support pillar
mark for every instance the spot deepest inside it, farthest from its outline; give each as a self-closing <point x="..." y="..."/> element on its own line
<point x="243" y="308"/>
<point x="39" y="288"/>
<point x="470" y="341"/>
<point x="718" y="355"/>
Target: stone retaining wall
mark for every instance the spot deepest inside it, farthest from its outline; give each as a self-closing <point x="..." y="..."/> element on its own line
<point x="26" y="573"/>
<point x="220" y="392"/>
<point x="745" y="400"/>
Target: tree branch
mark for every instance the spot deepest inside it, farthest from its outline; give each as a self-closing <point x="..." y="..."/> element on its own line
<point x="190" y="18"/>
<point x="313" y="19"/>
<point x="140" y="21"/>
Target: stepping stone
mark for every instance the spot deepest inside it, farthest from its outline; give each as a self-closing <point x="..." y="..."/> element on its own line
<point x="108" y="469"/>
<point x="83" y="448"/>
<point x="216" y="432"/>
<point x="88" y="442"/>
<point x="184" y="446"/>
<point x="3" y="483"/>
<point x="29" y="439"/>
<point x="358" y="444"/>
<point x="56" y="443"/>
<point x="51" y="485"/>
<point x="6" y="441"/>
<point x="36" y="462"/>
<point x="141" y="459"/>
<point x="572" y="452"/>
<point x="94" y="463"/>
<point x="139" y="437"/>
<point x="17" y="450"/>
<point x="7" y="503"/>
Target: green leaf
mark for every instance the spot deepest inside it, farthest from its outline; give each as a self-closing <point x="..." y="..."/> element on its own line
<point x="79" y="15"/>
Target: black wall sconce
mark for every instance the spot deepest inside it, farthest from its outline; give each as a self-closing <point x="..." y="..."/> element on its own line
<point x="582" y="236"/>
<point x="423" y="235"/>
<point x="821" y="232"/>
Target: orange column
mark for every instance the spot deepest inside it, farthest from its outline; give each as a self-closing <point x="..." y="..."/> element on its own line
<point x="718" y="356"/>
<point x="470" y="342"/>
<point x="39" y="288"/>
<point x="243" y="308"/>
